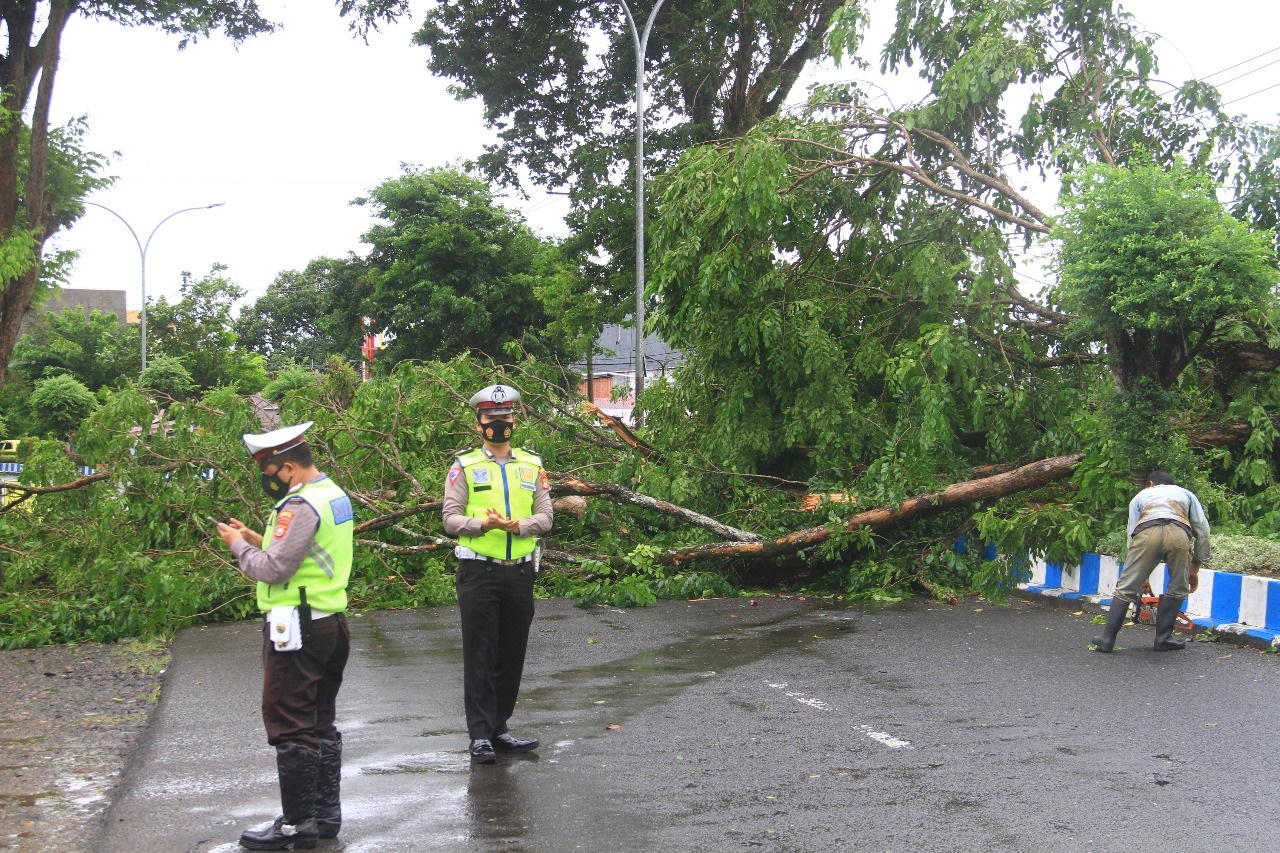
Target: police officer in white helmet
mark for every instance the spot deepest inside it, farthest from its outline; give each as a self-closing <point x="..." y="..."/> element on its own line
<point x="302" y="564"/>
<point x="497" y="501"/>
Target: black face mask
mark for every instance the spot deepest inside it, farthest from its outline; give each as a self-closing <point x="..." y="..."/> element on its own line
<point x="498" y="432"/>
<point x="275" y="487"/>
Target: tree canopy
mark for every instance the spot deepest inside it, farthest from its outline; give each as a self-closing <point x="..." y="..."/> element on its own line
<point x="96" y="349"/>
<point x="1150" y="264"/>
<point x="450" y="271"/>
<point x="292" y="321"/>
<point x="557" y="83"/>
<point x="197" y="330"/>
<point x="37" y="195"/>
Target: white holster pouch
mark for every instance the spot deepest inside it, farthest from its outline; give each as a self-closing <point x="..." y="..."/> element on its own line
<point x="284" y="628"/>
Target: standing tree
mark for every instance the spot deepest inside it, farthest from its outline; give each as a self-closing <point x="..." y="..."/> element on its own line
<point x="96" y="349"/>
<point x="563" y="108"/>
<point x="1150" y="264"/>
<point x="197" y="331"/>
<point x="289" y="323"/>
<point x="450" y="271"/>
<point x="168" y="376"/>
<point x="30" y="208"/>
<point x="59" y="405"/>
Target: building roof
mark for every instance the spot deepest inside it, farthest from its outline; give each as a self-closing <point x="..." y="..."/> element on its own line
<point x="615" y="352"/>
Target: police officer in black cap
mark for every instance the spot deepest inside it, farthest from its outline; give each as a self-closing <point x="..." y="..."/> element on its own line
<point x="497" y="501"/>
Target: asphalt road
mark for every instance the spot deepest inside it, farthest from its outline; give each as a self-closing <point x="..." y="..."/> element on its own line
<point x="719" y="725"/>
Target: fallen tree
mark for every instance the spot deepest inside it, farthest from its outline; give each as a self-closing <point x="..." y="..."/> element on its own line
<point x="128" y="551"/>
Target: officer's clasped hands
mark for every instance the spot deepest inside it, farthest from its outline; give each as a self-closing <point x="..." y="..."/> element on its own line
<point x="495" y="520"/>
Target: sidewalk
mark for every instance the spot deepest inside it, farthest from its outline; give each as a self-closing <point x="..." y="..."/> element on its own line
<point x="1245" y="608"/>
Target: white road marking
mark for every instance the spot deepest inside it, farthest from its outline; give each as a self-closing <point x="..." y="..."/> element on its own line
<point x="883" y="738"/>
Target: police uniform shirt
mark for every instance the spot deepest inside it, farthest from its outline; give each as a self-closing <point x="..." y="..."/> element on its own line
<point x="289" y="542"/>
<point x="457" y="494"/>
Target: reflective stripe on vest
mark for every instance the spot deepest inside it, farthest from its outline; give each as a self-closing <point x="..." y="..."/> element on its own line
<point x="509" y="489"/>
<point x="327" y="566"/>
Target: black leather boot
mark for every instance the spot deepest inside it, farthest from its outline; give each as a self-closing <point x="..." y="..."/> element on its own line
<point x="329" y="789"/>
<point x="1166" y="615"/>
<point x="1106" y="641"/>
<point x="298" y="767"/>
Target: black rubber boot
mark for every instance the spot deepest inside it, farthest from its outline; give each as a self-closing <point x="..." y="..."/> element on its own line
<point x="1166" y="616"/>
<point x="298" y="767"/>
<point x="329" y="789"/>
<point x="1106" y="641"/>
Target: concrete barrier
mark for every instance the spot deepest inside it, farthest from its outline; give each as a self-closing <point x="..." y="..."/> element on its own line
<point x="1229" y="603"/>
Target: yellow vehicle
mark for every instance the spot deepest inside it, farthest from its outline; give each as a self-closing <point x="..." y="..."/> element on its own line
<point x="9" y="448"/>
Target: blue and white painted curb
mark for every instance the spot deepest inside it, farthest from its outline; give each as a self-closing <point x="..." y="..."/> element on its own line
<point x="1244" y="605"/>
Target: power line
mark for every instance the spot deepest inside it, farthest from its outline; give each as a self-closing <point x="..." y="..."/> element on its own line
<point x="1251" y="94"/>
<point x="1238" y="64"/>
<point x="1247" y="73"/>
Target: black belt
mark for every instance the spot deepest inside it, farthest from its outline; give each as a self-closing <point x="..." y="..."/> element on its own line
<point x="1162" y="522"/>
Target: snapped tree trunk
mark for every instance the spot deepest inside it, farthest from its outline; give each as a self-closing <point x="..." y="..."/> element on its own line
<point x="754" y="560"/>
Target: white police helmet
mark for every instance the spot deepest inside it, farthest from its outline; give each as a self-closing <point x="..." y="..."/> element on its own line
<point x="495" y="400"/>
<point x="263" y="446"/>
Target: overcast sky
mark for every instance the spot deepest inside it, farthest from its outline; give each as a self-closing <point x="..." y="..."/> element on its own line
<point x="292" y="126"/>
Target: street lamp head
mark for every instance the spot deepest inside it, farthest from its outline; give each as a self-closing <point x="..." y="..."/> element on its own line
<point x="216" y="204"/>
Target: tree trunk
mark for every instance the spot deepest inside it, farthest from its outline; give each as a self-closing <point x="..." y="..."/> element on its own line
<point x="756" y="554"/>
<point x="28" y="210"/>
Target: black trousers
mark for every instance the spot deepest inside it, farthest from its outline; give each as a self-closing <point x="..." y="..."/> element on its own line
<point x="496" y="603"/>
<point x="300" y="688"/>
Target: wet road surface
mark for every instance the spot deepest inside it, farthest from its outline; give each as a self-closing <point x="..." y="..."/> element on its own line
<point x="718" y="725"/>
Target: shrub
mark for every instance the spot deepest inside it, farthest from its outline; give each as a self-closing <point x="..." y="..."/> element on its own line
<point x="59" y="405"/>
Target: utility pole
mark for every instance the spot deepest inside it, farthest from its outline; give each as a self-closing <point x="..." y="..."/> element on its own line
<point x="641" y="43"/>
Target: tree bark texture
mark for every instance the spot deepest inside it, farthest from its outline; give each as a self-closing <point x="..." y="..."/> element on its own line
<point x="1030" y="476"/>
<point x="25" y="207"/>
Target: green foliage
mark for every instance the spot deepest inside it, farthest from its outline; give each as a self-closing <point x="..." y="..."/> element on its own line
<point x="198" y="330"/>
<point x="1144" y="428"/>
<point x="1250" y="555"/>
<point x="133" y="555"/>
<point x="98" y="350"/>
<point x="17" y="254"/>
<point x="60" y="404"/>
<point x="1150" y="263"/>
<point x="236" y="19"/>
<point x="557" y="83"/>
<point x="289" y="379"/>
<point x="875" y="346"/>
<point x="291" y="321"/>
<point x="168" y="376"/>
<point x="341" y="381"/>
<point x="450" y="271"/>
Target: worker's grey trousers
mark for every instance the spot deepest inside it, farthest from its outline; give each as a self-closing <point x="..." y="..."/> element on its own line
<point x="1149" y="548"/>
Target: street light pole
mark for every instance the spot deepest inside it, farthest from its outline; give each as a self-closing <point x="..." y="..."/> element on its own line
<point x="641" y="43"/>
<point x="142" y="252"/>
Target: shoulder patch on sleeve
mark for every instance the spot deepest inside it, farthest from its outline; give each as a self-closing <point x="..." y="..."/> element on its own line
<point x="342" y="511"/>
<point x="283" y="520"/>
<point x="546" y="483"/>
<point x="454" y="473"/>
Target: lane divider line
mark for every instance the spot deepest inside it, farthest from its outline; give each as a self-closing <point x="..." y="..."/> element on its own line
<point x="882" y="738"/>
